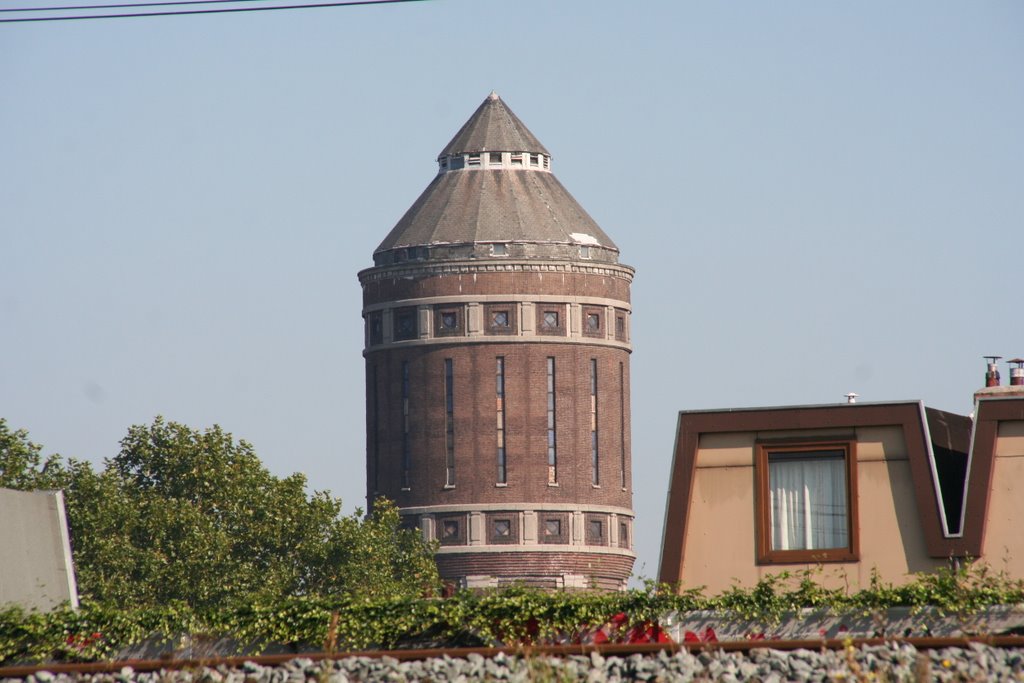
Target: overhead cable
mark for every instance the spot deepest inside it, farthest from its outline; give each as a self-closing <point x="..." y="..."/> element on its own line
<point x="123" y="5"/>
<point x="169" y="13"/>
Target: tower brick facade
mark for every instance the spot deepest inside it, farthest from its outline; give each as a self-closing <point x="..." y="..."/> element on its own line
<point x="497" y="370"/>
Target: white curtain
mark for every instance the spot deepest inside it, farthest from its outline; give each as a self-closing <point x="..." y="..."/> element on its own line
<point x="808" y="503"/>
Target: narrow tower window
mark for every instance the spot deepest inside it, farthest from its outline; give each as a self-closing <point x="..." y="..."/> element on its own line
<point x="449" y="424"/>
<point x="595" y="476"/>
<point x="622" y="422"/>
<point x="499" y="380"/>
<point x="406" y="440"/>
<point x="552" y="448"/>
<point x="375" y="427"/>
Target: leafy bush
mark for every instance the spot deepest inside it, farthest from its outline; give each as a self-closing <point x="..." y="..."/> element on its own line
<point x="183" y="515"/>
<point x="513" y="615"/>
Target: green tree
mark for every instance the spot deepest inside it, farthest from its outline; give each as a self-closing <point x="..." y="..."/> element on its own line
<point x="194" y="516"/>
<point x="22" y="465"/>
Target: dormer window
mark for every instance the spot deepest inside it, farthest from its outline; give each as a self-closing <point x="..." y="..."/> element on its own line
<point x="499" y="249"/>
<point x="494" y="158"/>
<point x="534" y="160"/>
<point x="517" y="159"/>
<point x="474" y="159"/>
<point x="455" y="163"/>
<point x="584" y="252"/>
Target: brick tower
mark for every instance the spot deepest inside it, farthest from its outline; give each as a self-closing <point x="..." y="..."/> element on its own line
<point x="497" y="370"/>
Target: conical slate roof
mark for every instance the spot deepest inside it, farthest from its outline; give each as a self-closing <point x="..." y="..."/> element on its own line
<point x="493" y="128"/>
<point x="482" y="203"/>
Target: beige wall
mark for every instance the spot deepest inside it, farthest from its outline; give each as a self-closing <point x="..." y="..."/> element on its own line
<point x="1004" y="541"/>
<point x="719" y="549"/>
<point x="35" y="553"/>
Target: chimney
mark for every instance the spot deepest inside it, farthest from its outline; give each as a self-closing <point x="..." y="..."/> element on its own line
<point x="992" y="374"/>
<point x="992" y="389"/>
<point x="1016" y="372"/>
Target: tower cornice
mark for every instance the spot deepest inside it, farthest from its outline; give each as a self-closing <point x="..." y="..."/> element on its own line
<point x="438" y="268"/>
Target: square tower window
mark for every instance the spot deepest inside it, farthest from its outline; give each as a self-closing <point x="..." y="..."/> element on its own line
<point x="447" y="321"/>
<point x="554" y="528"/>
<point x="405" y="324"/>
<point x="620" y="326"/>
<point x="549" y="321"/>
<point x="375" y="327"/>
<point x="595" y="532"/>
<point x="500" y="319"/>
<point x="502" y="528"/>
<point x="451" y="531"/>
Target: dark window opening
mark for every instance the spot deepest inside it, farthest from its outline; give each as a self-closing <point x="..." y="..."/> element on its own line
<point x="375" y="321"/>
<point x="449" y="423"/>
<point x="595" y="470"/>
<point x="406" y="437"/>
<point x="595" y="532"/>
<point x="552" y="435"/>
<point x="499" y="380"/>
<point x="405" y="324"/>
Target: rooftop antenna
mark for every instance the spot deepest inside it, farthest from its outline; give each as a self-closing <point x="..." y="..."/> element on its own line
<point x="992" y="373"/>
<point x="851" y="397"/>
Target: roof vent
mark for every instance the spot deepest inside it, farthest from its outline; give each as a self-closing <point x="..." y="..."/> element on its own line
<point x="992" y="374"/>
<point x="1016" y="372"/>
<point x="851" y="397"/>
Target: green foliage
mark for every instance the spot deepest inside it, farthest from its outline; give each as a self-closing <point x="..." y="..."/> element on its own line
<point x="513" y="615"/>
<point x="183" y="516"/>
<point x="185" y="532"/>
<point x="21" y="463"/>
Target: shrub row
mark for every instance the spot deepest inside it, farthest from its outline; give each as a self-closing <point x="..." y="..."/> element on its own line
<point x="98" y="631"/>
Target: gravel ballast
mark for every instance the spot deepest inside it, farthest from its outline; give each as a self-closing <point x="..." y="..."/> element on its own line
<point x="892" y="662"/>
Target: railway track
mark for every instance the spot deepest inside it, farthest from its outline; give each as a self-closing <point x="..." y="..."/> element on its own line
<point x="608" y="649"/>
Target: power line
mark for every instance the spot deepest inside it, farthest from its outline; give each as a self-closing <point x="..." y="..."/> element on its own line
<point x="131" y="4"/>
<point x="263" y="8"/>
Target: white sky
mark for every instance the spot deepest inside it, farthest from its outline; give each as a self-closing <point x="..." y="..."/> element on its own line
<point x="817" y="197"/>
